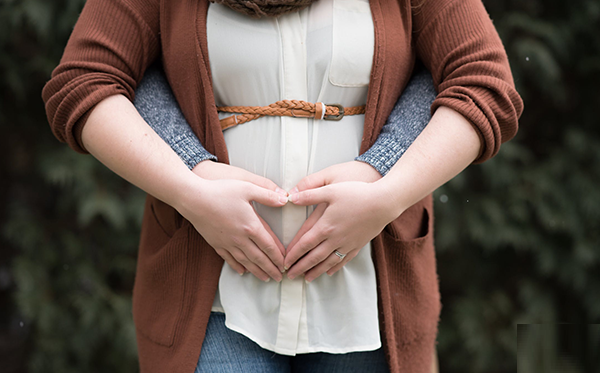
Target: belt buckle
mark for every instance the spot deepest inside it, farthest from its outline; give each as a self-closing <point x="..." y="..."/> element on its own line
<point x="335" y="117"/>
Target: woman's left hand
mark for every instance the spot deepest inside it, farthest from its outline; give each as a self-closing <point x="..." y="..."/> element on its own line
<point x="351" y="210"/>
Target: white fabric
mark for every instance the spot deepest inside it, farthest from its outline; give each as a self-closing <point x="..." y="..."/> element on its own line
<point x="321" y="54"/>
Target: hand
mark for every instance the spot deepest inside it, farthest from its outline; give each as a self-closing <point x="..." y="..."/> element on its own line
<point x="348" y="171"/>
<point x="222" y="213"/>
<point x="218" y="171"/>
<point x="348" y="215"/>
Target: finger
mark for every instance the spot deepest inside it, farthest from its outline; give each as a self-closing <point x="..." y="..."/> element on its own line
<point x="264" y="241"/>
<point x="265" y="196"/>
<point x="241" y="258"/>
<point x="260" y="181"/>
<point x="231" y="261"/>
<point x="259" y="257"/>
<point x="311" y="196"/>
<point x="308" y="242"/>
<point x="311" y="259"/>
<point x="306" y="226"/>
<point x="214" y="170"/>
<point x="315" y="180"/>
<point x="332" y="260"/>
<point x="339" y="266"/>
<point x="273" y="235"/>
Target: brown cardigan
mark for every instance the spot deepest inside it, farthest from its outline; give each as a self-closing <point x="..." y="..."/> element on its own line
<point x="177" y="271"/>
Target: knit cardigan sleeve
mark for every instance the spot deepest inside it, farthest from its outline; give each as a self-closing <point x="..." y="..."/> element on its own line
<point x="458" y="43"/>
<point x="111" y="45"/>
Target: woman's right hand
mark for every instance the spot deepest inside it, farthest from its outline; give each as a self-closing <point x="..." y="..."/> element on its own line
<point x="210" y="170"/>
<point x="221" y="211"/>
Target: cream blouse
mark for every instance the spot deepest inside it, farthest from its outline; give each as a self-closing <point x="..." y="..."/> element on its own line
<point x="320" y="54"/>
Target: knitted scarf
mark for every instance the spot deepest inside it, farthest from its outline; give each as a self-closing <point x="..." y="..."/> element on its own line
<point x="265" y="8"/>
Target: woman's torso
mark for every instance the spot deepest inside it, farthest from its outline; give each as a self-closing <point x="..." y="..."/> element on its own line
<point x="321" y="54"/>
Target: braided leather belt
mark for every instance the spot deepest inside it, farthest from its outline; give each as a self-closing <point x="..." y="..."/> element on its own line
<point x="288" y="108"/>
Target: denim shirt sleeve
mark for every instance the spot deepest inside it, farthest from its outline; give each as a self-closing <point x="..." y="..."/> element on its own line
<point x="156" y="103"/>
<point x="407" y="120"/>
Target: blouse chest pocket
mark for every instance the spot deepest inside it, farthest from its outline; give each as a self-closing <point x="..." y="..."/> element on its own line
<point x="353" y="43"/>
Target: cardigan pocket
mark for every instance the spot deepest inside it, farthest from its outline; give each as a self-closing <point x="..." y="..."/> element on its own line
<point x="353" y="43"/>
<point x="160" y="277"/>
<point x="413" y="227"/>
<point x="167" y="218"/>
<point x="413" y="284"/>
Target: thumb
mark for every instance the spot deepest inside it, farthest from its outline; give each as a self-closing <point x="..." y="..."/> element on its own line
<point x="265" y="196"/>
<point x="260" y="181"/>
<point x="311" y="196"/>
<point x="312" y="181"/>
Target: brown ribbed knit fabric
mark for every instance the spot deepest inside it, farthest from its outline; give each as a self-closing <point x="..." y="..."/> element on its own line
<point x="177" y="272"/>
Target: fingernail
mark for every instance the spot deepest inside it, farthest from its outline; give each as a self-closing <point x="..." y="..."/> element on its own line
<point x="291" y="277"/>
<point x="268" y="279"/>
<point x="293" y="195"/>
<point x="283" y="199"/>
<point x="281" y="191"/>
<point x="285" y="268"/>
<point x="242" y="273"/>
<point x="309" y="279"/>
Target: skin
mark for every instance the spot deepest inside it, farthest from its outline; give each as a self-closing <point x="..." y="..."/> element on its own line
<point x="350" y="213"/>
<point x="219" y="209"/>
<point x="354" y="202"/>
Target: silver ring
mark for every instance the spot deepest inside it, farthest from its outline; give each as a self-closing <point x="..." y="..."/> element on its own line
<point x="342" y="256"/>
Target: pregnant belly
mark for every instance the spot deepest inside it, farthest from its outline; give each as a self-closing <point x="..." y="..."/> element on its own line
<point x="287" y="153"/>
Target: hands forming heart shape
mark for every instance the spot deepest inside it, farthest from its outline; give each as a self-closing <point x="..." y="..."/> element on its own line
<point x="351" y="209"/>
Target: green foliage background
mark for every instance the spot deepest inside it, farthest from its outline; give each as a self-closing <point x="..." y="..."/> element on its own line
<point x="518" y="238"/>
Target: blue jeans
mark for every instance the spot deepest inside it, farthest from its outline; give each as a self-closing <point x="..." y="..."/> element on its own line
<point x="225" y="351"/>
